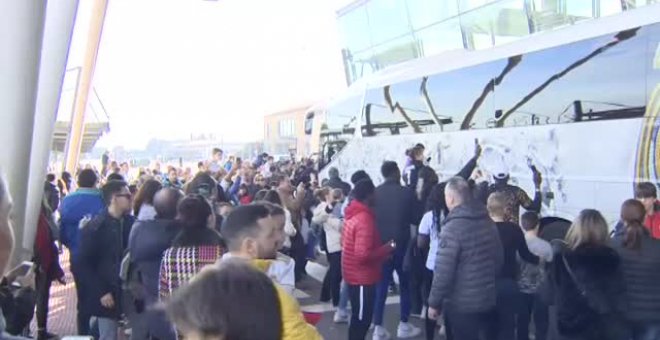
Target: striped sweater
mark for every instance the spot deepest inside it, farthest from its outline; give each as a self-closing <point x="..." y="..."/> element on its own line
<point x="180" y="264"/>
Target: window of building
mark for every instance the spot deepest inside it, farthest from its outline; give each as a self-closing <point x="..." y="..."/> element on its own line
<point x="287" y="128"/>
<point x="388" y="19"/>
<point x="354" y="27"/>
<point x="441" y="37"/>
<point x="424" y="13"/>
<point x="495" y="24"/>
<point x="466" y="5"/>
<point x="395" y="51"/>
<point x="601" y="78"/>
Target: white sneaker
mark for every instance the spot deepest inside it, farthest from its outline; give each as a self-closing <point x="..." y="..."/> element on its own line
<point x="380" y="333"/>
<point x="341" y="316"/>
<point x="406" y="331"/>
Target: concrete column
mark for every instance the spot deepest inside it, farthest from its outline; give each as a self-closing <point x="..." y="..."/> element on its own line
<point x="82" y="92"/>
<point x="60" y="19"/>
<point x="21" y="32"/>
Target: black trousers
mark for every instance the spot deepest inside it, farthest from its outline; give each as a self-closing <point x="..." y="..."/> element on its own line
<point x="82" y="316"/>
<point x="471" y="326"/>
<point x="430" y="324"/>
<point x="362" y="310"/>
<point x="332" y="279"/>
<point x="299" y="255"/>
<point x="417" y="272"/>
<point x="43" y="284"/>
<point x="531" y="304"/>
<point x="508" y="305"/>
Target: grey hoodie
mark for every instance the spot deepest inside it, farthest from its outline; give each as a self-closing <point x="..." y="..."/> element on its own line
<point x="470" y="256"/>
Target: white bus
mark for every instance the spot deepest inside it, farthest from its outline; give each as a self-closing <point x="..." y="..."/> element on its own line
<point x="581" y="103"/>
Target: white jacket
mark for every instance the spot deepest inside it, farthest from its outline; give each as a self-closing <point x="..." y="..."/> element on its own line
<point x="331" y="225"/>
<point x="289" y="228"/>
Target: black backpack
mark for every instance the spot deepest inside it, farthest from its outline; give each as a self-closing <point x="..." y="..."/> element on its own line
<point x="17" y="307"/>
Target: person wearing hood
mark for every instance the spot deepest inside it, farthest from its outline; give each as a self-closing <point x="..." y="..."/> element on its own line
<point x="469" y="259"/>
<point x="363" y="255"/>
<point x="586" y="283"/>
<point x="335" y="181"/>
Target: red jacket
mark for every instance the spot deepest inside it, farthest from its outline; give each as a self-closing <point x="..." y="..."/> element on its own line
<point x="362" y="251"/>
<point x="652" y="223"/>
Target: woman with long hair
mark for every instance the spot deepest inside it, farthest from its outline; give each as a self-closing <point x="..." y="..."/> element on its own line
<point x="586" y="279"/>
<point x="428" y="239"/>
<point x="143" y="204"/>
<point x="332" y="226"/>
<point x="196" y="245"/>
<point x="640" y="261"/>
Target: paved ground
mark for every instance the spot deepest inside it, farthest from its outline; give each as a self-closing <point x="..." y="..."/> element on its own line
<point x="63" y="301"/>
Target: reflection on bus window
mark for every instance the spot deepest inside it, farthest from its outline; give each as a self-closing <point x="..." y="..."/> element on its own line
<point x="601" y="78"/>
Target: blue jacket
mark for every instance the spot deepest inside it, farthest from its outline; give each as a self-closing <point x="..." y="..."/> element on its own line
<point x="83" y="202"/>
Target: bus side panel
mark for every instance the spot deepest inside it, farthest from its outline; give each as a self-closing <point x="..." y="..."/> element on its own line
<point x="584" y="165"/>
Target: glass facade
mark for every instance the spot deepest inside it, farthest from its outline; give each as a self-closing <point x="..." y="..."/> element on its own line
<point x="380" y="33"/>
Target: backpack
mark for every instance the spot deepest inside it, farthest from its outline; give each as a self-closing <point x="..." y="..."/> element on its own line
<point x="17" y="306"/>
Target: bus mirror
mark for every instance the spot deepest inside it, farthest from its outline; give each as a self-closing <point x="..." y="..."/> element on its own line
<point x="309" y="123"/>
<point x="498" y="114"/>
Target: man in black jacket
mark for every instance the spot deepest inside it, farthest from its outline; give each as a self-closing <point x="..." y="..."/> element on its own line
<point x="394" y="212"/>
<point x="103" y="242"/>
<point x="469" y="259"/>
<point x="335" y="181"/>
<point x="147" y="242"/>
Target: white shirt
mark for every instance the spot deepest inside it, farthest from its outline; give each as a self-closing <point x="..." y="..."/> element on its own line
<point x="427" y="227"/>
<point x="147" y="212"/>
<point x="281" y="271"/>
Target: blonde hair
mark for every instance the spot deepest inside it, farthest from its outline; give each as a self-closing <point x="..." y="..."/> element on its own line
<point x="589" y="227"/>
<point x="496" y="204"/>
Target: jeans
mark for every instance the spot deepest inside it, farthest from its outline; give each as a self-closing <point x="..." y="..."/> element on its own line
<point x="507" y="307"/>
<point x="332" y="279"/>
<point x="108" y="328"/>
<point x="310" y="247"/>
<point x="396" y="263"/>
<point x="531" y="303"/>
<point x="646" y="331"/>
<point x="343" y="296"/>
<point x="470" y="326"/>
<point x="362" y="310"/>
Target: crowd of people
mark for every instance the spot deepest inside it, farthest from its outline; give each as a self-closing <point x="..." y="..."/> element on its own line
<point x="217" y="254"/>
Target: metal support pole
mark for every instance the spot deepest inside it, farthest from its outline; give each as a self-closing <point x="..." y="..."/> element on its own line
<point x="86" y="77"/>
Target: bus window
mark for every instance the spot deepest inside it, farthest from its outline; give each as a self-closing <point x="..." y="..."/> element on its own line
<point x="464" y="98"/>
<point x="600" y="78"/>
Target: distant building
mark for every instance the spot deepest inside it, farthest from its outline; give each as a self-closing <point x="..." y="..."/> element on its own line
<point x="284" y="132"/>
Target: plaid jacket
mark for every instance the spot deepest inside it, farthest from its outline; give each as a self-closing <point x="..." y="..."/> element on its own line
<point x="180" y="264"/>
